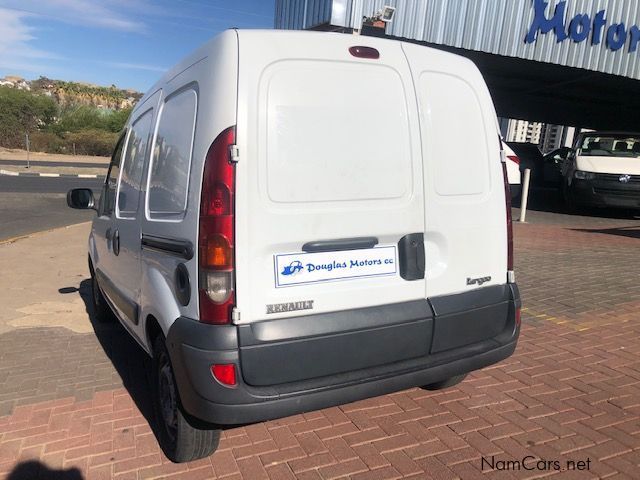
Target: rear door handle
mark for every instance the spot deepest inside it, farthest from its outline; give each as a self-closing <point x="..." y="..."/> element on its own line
<point x="116" y="242"/>
<point x="412" y="256"/>
<point x="340" y="244"/>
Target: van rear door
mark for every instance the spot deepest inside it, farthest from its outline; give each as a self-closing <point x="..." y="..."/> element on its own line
<point x="465" y="218"/>
<point x="329" y="178"/>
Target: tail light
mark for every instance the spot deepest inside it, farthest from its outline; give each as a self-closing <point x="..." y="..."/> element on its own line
<point x="216" y="237"/>
<point x="507" y="199"/>
<point x="225" y="374"/>
<point x="514" y="159"/>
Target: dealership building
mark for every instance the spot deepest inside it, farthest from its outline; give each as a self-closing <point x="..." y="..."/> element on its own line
<point x="562" y="62"/>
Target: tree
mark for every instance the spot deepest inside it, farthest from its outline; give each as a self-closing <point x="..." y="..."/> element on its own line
<point x="23" y="112"/>
<point x="117" y="119"/>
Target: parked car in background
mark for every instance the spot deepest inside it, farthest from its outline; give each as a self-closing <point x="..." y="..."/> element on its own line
<point x="545" y="171"/>
<point x="603" y="170"/>
<point x="530" y="157"/>
<point x="513" y="170"/>
<point x="553" y="163"/>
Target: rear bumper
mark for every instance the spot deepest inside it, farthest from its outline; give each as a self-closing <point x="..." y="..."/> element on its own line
<point x="194" y="347"/>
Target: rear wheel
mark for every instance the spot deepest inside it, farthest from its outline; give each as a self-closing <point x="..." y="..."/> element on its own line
<point x="449" y="382"/>
<point x="101" y="309"/>
<point x="179" y="441"/>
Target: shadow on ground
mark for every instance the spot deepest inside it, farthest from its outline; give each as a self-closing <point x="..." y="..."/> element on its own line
<point x="628" y="232"/>
<point x="36" y="470"/>
<point x="129" y="359"/>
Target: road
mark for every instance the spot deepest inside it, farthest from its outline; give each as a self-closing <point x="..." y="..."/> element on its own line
<point x="44" y="163"/>
<point x="33" y="204"/>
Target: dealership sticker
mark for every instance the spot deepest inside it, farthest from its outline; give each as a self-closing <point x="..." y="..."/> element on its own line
<point x="303" y="268"/>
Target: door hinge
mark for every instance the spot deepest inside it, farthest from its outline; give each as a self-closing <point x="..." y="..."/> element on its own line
<point x="235" y="315"/>
<point x="234" y="153"/>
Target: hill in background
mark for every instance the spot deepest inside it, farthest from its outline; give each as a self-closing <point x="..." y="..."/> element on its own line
<point x="56" y="116"/>
<point x="76" y="93"/>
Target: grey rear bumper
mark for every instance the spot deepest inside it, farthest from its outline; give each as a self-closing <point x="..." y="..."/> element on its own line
<point x="455" y="329"/>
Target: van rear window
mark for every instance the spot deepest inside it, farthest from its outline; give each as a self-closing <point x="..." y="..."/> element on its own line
<point x="171" y="161"/>
<point x="335" y="132"/>
<point x="456" y="134"/>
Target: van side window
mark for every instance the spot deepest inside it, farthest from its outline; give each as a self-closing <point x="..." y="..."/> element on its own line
<point x="134" y="157"/>
<point x="108" y="197"/>
<point x="171" y="157"/>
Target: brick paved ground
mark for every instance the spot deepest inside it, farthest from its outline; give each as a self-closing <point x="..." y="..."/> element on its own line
<point x="76" y="405"/>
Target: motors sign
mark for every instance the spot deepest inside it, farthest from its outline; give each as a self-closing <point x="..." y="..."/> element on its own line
<point x="581" y="27"/>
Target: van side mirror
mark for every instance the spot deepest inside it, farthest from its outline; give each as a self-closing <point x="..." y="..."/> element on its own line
<point x="81" y="199"/>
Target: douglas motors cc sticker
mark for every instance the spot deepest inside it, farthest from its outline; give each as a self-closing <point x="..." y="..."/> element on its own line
<point x="304" y="268"/>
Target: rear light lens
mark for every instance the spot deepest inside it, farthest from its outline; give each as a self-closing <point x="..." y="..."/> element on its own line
<point x="218" y="252"/>
<point x="507" y="199"/>
<point x="218" y="285"/>
<point x="514" y="159"/>
<point x="225" y="374"/>
<point x="216" y="238"/>
<point x="365" y="52"/>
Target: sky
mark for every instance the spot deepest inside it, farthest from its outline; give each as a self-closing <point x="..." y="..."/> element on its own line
<point x="129" y="43"/>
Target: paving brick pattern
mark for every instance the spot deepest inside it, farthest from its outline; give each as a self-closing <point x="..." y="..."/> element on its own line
<point x="77" y="406"/>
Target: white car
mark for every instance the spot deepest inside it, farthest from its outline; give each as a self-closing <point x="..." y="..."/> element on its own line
<point x="285" y="227"/>
<point x="603" y="170"/>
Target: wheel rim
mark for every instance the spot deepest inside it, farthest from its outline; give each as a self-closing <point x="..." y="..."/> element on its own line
<point x="167" y="394"/>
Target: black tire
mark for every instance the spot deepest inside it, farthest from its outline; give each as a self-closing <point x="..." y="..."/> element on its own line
<point x="449" y="382"/>
<point x="179" y="440"/>
<point x="101" y="308"/>
<point x="568" y="200"/>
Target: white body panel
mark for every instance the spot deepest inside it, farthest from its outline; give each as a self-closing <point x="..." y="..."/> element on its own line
<point x="465" y="236"/>
<point x="211" y="73"/>
<point x="329" y="148"/>
<point x="608" y="164"/>
<point x="148" y="276"/>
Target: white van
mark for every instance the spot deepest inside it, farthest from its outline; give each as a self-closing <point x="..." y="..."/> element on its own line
<point x="603" y="170"/>
<point x="294" y="220"/>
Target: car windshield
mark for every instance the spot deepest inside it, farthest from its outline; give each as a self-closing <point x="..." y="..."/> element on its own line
<point x="608" y="145"/>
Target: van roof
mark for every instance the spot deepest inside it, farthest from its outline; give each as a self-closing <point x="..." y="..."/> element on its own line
<point x="295" y="36"/>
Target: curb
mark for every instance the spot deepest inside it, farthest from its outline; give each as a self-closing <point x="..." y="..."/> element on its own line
<point x="7" y="241"/>
<point x="52" y="175"/>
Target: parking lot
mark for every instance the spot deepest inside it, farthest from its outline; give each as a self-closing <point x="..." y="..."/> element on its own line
<point x="74" y="397"/>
